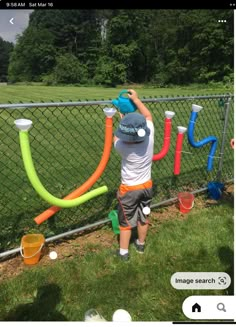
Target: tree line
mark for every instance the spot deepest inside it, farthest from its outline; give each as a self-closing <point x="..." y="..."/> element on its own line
<point x="116" y="46"/>
<point x="5" y="50"/>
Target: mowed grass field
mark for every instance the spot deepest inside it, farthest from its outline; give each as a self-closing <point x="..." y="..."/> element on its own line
<point x="38" y="93"/>
<point x="87" y="275"/>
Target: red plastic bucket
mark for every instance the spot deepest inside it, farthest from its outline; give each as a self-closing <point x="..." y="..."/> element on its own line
<point x="186" y="201"/>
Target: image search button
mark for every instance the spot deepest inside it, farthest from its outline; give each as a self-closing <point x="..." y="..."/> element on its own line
<point x="200" y="280"/>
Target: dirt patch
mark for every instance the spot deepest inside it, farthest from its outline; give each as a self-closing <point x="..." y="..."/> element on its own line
<point x="79" y="245"/>
<point x="95" y="240"/>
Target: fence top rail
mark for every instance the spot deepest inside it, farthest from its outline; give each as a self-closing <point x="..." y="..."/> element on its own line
<point x="107" y="102"/>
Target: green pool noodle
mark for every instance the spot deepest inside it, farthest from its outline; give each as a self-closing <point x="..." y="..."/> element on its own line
<point x="39" y="188"/>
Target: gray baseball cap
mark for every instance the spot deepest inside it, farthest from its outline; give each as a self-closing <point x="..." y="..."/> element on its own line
<point x="132" y="128"/>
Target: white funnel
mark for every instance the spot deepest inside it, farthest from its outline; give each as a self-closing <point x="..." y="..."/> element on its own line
<point x="169" y="114"/>
<point x="181" y="129"/>
<point x="109" y="112"/>
<point x="23" y="124"/>
<point x="196" y="108"/>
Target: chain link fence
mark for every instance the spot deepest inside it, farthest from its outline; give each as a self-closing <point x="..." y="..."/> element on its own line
<point x="67" y="142"/>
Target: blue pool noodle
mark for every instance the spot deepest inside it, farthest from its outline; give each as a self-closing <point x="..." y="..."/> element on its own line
<point x="201" y="143"/>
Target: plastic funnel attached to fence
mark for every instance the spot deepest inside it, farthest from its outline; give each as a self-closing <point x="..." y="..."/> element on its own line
<point x="31" y="246"/>
<point x="186" y="201"/>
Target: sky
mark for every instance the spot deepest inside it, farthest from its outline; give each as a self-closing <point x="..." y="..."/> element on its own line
<point x="9" y="31"/>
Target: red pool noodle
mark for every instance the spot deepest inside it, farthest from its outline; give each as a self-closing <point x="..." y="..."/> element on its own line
<point x="166" y="144"/>
<point x="178" y="150"/>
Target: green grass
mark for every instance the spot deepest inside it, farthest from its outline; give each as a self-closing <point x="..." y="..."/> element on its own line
<point x="38" y="93"/>
<point x="64" y="290"/>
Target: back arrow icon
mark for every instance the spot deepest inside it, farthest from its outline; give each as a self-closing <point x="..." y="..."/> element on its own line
<point x="11" y="20"/>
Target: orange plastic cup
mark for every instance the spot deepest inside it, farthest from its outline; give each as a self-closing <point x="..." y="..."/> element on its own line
<point x="31" y="246"/>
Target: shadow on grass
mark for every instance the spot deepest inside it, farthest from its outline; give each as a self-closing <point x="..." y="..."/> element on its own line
<point x="42" y="309"/>
<point x="226" y="256"/>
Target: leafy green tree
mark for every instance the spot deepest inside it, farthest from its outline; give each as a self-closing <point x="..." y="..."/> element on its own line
<point x="5" y="49"/>
<point x="74" y="31"/>
<point x="69" y="70"/>
<point x="127" y="32"/>
<point x="193" y="46"/>
<point x="111" y="46"/>
<point x="33" y="55"/>
<point x="110" y="72"/>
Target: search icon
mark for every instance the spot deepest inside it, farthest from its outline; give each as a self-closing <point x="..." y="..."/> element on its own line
<point x="221" y="307"/>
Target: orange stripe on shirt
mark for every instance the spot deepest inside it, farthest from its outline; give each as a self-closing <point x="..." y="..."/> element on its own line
<point x="126" y="188"/>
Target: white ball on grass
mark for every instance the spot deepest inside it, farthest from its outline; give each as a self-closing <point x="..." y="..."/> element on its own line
<point x="53" y="255"/>
<point x="121" y="315"/>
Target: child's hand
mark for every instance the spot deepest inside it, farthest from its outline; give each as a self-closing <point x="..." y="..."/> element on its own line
<point x="132" y="94"/>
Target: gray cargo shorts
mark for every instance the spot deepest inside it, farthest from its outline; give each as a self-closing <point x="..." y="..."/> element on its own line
<point x="131" y="202"/>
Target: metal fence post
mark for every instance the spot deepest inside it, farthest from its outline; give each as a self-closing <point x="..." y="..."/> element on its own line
<point x="226" y="119"/>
